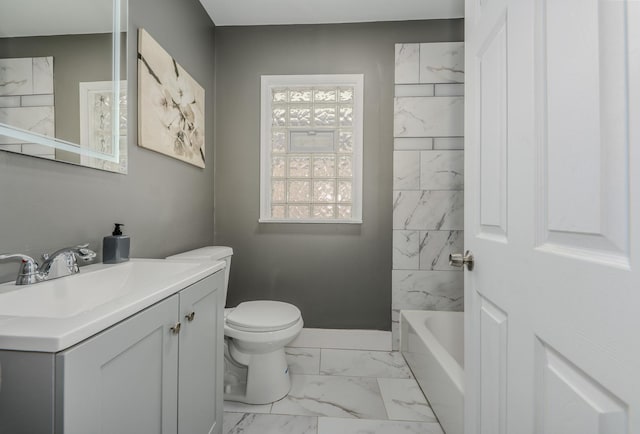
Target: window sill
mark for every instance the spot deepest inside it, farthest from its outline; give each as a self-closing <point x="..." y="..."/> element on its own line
<point x="314" y="221"/>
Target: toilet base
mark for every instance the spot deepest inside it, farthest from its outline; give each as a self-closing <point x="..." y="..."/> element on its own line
<point x="259" y="379"/>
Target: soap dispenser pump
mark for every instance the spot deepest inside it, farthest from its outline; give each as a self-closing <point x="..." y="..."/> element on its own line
<point x="115" y="248"/>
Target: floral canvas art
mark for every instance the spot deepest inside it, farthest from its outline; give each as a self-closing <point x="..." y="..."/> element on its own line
<point x="170" y="105"/>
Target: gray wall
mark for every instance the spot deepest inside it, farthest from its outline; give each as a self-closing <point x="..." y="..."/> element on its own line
<point x="167" y="205"/>
<point x="339" y="275"/>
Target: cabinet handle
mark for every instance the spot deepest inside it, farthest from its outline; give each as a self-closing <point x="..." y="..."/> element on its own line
<point x="176" y="328"/>
<point x="190" y="316"/>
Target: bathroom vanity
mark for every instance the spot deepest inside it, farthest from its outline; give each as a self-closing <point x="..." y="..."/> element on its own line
<point x="133" y="347"/>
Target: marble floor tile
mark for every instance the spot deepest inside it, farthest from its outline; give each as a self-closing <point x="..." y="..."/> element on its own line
<point x="248" y="423"/>
<point x="240" y="407"/>
<point x="321" y="395"/>
<point x="303" y="360"/>
<point x="363" y="363"/>
<point x="330" y="425"/>
<point x="404" y="400"/>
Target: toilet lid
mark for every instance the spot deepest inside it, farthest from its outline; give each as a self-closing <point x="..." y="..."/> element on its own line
<point x="263" y="316"/>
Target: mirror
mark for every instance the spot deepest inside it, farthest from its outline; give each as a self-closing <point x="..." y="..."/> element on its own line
<point x="62" y="81"/>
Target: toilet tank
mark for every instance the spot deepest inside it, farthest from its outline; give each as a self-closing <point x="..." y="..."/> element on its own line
<point x="209" y="253"/>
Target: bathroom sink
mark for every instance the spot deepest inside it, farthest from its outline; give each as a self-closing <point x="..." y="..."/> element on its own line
<point x="52" y="315"/>
<point x="73" y="295"/>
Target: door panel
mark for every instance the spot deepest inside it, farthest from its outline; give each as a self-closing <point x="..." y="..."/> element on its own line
<point x="570" y="401"/>
<point x="552" y="203"/>
<point x="582" y="102"/>
<point x="493" y="368"/>
<point x="492" y="100"/>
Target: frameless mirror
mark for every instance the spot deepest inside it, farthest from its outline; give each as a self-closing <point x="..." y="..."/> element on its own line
<point x="62" y="81"/>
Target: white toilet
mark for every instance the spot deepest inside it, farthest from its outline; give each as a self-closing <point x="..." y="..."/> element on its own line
<point x="255" y="334"/>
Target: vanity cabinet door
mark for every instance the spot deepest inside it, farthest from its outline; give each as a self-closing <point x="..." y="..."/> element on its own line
<point x="200" y="366"/>
<point x="123" y="380"/>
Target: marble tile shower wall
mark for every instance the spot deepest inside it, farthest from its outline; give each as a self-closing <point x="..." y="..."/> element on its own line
<point x="428" y="166"/>
<point x="26" y="101"/>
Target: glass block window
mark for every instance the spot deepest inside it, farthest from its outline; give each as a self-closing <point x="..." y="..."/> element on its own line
<point x="311" y="148"/>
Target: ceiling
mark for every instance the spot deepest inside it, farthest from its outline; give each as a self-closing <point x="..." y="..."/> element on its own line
<point x="267" y="12"/>
<point x="37" y="17"/>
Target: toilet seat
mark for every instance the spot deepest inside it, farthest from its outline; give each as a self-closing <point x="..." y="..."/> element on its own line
<point x="262" y="316"/>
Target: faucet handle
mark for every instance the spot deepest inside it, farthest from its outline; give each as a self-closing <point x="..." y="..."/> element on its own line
<point x="82" y="252"/>
<point x="23" y="258"/>
<point x="28" y="268"/>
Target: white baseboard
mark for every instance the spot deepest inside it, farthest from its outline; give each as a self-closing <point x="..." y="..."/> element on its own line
<point x="372" y="340"/>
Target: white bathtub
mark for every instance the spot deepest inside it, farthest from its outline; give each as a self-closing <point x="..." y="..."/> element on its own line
<point x="433" y="345"/>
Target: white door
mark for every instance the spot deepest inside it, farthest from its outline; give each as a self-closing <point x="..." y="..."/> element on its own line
<point x="552" y="203"/>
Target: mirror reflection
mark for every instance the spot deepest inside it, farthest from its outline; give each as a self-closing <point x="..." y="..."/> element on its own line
<point x="61" y="93"/>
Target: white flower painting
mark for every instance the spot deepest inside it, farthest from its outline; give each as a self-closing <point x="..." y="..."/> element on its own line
<point x="170" y="105"/>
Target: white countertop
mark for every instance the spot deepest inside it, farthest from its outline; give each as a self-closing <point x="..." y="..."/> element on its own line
<point x="54" y="315"/>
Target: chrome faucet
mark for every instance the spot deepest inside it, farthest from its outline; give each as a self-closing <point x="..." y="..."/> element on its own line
<point x="63" y="262"/>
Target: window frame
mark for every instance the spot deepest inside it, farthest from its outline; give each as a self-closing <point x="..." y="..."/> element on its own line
<point x="268" y="82"/>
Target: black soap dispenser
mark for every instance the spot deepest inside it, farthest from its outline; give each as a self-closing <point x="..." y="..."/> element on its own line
<point x="115" y="248"/>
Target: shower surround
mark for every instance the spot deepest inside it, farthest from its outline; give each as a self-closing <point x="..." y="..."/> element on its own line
<point x="428" y="178"/>
<point x="27" y="102"/>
